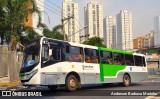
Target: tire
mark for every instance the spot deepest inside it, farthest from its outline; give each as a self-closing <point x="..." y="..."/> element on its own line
<point x="71" y="83"/>
<point x="52" y="87"/>
<point x="126" y="80"/>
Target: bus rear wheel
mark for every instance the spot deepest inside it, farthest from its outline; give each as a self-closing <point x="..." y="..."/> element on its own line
<point x="126" y="80"/>
<point x="52" y="87"/>
<point x="71" y="83"/>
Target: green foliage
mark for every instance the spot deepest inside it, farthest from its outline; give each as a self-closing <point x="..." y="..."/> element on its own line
<point x="12" y="17"/>
<point x="55" y="34"/>
<point x="30" y="36"/>
<point x="57" y="29"/>
<point x="95" y="41"/>
<point x="150" y="50"/>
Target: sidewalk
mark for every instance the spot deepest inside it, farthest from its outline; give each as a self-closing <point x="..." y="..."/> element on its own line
<point x="9" y="85"/>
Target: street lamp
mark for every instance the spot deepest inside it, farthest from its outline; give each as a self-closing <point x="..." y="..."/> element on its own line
<point x="47" y="15"/>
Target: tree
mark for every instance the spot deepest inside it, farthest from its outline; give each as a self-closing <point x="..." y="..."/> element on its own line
<point x="55" y="34"/>
<point x="95" y="41"/>
<point x="57" y="29"/>
<point x="30" y="36"/>
<point x="14" y="14"/>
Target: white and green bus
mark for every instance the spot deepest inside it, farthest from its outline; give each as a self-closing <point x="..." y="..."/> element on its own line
<point x="50" y="62"/>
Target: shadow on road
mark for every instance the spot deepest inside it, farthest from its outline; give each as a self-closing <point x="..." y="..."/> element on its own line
<point x="86" y="90"/>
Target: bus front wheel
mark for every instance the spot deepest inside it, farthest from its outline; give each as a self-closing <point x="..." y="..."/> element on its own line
<point x="71" y="83"/>
<point x="126" y="80"/>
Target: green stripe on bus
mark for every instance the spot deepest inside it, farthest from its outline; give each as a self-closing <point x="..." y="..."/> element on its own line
<point x="111" y="69"/>
<point x="101" y="73"/>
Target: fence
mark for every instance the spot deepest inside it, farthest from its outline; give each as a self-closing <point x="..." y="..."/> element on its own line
<point x="10" y="63"/>
<point x="154" y="72"/>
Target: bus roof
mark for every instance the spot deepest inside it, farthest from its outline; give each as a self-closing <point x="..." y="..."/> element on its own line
<point x="115" y="50"/>
<point x="100" y="48"/>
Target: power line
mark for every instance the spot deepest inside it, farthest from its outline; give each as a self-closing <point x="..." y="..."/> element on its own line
<point x="54" y="9"/>
<point x="49" y="6"/>
<point x="54" y="4"/>
<point x="61" y="13"/>
<point x="49" y="9"/>
<point x="64" y="13"/>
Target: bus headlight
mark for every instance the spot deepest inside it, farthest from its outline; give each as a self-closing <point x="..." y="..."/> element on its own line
<point x="33" y="73"/>
<point x="29" y="76"/>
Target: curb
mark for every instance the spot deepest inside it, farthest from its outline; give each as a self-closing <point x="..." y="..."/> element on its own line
<point x="12" y="88"/>
<point x="3" y="88"/>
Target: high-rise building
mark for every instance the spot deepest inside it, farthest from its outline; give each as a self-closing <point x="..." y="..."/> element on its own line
<point x="138" y="43"/>
<point x="110" y="32"/>
<point x="93" y="18"/>
<point x="71" y="25"/>
<point x="124" y="30"/>
<point x="157" y="31"/>
<point x="149" y="40"/>
<point x="33" y="19"/>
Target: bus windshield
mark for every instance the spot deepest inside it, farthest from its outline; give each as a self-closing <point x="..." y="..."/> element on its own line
<point x="31" y="54"/>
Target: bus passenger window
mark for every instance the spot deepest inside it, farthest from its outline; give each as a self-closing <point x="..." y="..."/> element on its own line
<point x="88" y="60"/>
<point x="106" y="57"/>
<point x="91" y="55"/>
<point x="129" y="60"/>
<point x="138" y="60"/>
<point x="56" y="54"/>
<point x="144" y="62"/>
<point x="74" y="54"/>
<point x="119" y="58"/>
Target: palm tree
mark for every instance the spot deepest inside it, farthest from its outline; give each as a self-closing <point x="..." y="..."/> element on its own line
<point x="56" y="32"/>
<point x="15" y="14"/>
<point x="57" y="29"/>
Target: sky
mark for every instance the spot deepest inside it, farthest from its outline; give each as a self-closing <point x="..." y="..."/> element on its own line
<point x="143" y="12"/>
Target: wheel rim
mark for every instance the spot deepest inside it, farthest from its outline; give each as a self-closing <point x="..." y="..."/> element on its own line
<point x="126" y="79"/>
<point x="72" y="83"/>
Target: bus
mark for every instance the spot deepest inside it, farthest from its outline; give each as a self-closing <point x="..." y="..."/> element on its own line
<point x="55" y="63"/>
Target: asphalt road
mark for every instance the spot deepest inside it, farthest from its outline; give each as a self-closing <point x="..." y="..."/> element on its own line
<point x="98" y="91"/>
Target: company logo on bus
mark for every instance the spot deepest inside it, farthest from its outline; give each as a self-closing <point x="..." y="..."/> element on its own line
<point x="87" y="67"/>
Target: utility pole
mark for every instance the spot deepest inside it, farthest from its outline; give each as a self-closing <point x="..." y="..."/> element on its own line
<point x="83" y="36"/>
<point x="63" y="29"/>
<point x="159" y="58"/>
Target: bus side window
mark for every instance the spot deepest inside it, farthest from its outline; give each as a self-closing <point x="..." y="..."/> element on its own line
<point x="129" y="60"/>
<point x="138" y="61"/>
<point x="144" y="62"/>
<point x="91" y="55"/>
<point x="106" y="57"/>
<point x="74" y="54"/>
<point x="56" y="54"/>
<point x="118" y="58"/>
<point x="87" y="55"/>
